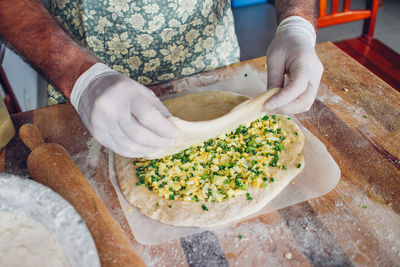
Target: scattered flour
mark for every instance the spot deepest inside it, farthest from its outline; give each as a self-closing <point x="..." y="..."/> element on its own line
<point x="26" y="242"/>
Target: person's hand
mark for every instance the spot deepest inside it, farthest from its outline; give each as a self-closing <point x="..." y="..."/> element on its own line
<point x="120" y="113"/>
<point x="292" y="52"/>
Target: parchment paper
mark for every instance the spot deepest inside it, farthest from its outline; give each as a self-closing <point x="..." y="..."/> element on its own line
<point x="320" y="174"/>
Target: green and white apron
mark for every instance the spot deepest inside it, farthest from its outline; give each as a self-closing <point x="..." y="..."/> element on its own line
<point x="151" y="41"/>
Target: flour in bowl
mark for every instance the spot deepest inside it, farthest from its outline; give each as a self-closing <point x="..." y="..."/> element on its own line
<point x="26" y="242"/>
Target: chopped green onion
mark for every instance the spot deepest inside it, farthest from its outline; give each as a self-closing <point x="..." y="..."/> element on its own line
<point x="204" y="207"/>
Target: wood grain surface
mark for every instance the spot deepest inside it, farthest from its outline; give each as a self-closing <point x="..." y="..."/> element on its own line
<point x="356" y="115"/>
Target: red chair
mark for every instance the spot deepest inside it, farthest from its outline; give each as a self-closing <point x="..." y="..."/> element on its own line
<point x="347" y="15"/>
<point x="370" y="52"/>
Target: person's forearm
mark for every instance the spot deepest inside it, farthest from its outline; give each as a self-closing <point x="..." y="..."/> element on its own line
<point x="28" y="27"/>
<point x="303" y="8"/>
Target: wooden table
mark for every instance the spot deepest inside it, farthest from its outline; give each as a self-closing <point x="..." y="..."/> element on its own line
<point x="356" y="116"/>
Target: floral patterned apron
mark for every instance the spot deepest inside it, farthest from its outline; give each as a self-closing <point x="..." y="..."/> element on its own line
<point x="151" y="41"/>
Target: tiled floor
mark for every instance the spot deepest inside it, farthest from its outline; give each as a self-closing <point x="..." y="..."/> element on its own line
<point x="256" y="25"/>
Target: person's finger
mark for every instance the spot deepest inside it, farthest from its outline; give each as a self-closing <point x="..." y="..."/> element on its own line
<point x="276" y="71"/>
<point x="125" y="147"/>
<point x="151" y="96"/>
<point x="301" y="104"/>
<point x="111" y="136"/>
<point x="141" y="135"/>
<point x="163" y="109"/>
<point x="317" y="71"/>
<point x="298" y="82"/>
<point x="152" y="118"/>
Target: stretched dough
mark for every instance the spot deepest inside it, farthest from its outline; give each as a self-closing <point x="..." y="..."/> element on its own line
<point x="184" y="213"/>
<point x="191" y="132"/>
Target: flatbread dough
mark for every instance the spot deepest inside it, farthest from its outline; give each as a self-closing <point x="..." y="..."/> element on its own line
<point x="185" y="213"/>
<point x="195" y="132"/>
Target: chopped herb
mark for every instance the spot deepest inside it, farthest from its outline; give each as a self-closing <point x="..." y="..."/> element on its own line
<point x="169" y="206"/>
<point x="265" y="118"/>
<point x="289" y="118"/>
<point x="240" y="236"/>
<point x="298" y="165"/>
<point x="283" y="167"/>
<point x="204" y="176"/>
<point x="265" y="184"/>
<point x="296" y="133"/>
<point x="239" y="184"/>
<point x="299" y="154"/>
<point x="279" y="147"/>
<point x="171" y="196"/>
<point x="245" y="75"/>
<point x="204" y="207"/>
<point x="366" y="116"/>
<point x="228" y="164"/>
<point x="272" y="178"/>
<point x="248" y="196"/>
<point x="158" y="205"/>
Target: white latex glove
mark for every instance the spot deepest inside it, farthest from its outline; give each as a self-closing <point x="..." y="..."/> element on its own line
<point x="120" y="113"/>
<point x="292" y="52"/>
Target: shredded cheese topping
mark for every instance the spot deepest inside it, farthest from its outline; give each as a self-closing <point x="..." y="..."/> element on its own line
<point x="220" y="168"/>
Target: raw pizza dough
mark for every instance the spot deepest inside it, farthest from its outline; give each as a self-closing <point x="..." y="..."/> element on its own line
<point x="185" y="213"/>
<point x="195" y="132"/>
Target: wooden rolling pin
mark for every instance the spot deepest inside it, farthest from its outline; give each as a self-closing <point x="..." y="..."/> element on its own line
<point x="51" y="165"/>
